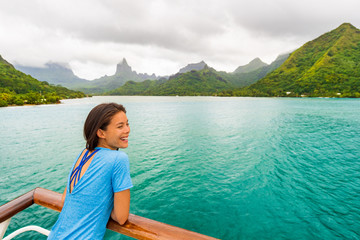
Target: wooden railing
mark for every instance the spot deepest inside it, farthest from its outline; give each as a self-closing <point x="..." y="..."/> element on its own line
<point x="136" y="227"/>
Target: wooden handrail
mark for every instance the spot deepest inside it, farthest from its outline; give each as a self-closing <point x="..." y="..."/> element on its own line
<point x="136" y="227"/>
<point x="16" y="205"/>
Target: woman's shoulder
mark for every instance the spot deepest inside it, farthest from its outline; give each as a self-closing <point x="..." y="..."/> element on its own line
<point x="115" y="155"/>
<point x="120" y="155"/>
<point x="119" y="160"/>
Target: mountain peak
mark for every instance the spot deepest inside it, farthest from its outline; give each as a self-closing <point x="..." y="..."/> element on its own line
<point x="193" y="66"/>
<point x="124" y="62"/>
<point x="345" y="29"/>
<point x="256" y="63"/>
<point x="123" y="67"/>
<point x="53" y="73"/>
<point x="346" y="25"/>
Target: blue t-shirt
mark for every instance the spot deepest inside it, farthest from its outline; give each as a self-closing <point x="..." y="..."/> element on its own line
<point x="87" y="208"/>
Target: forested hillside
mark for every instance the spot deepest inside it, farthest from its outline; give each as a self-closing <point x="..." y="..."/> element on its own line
<point x="17" y="88"/>
<point x="204" y="82"/>
<point x="328" y="66"/>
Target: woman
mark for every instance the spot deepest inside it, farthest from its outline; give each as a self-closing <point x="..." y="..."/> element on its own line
<point x="99" y="182"/>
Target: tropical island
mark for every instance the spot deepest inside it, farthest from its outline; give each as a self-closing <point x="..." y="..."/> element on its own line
<point x="328" y="66"/>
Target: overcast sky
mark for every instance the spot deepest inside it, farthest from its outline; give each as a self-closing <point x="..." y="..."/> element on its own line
<point x="161" y="36"/>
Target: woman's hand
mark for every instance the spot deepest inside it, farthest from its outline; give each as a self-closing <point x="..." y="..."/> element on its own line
<point x="120" y="212"/>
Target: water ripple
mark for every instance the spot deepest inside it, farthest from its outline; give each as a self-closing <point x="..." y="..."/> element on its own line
<point x="232" y="168"/>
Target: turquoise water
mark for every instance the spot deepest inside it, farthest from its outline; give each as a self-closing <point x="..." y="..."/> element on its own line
<point x="231" y="168"/>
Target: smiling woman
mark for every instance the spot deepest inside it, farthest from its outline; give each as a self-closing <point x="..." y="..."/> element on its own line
<point x="99" y="184"/>
<point x="116" y="134"/>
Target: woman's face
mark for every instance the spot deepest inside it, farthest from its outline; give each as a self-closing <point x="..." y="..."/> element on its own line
<point x="116" y="134"/>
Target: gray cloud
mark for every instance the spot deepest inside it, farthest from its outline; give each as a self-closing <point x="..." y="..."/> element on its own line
<point x="279" y="18"/>
<point x="161" y="36"/>
<point x="178" y="26"/>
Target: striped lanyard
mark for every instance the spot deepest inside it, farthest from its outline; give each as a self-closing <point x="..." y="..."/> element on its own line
<point x="75" y="175"/>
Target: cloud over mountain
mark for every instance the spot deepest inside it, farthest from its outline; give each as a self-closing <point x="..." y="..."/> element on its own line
<point x="161" y="36"/>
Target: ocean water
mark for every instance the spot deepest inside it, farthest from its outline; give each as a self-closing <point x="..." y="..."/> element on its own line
<point x="230" y="168"/>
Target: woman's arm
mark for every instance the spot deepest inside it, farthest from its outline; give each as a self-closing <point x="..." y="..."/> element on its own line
<point x="120" y="212"/>
<point x="63" y="198"/>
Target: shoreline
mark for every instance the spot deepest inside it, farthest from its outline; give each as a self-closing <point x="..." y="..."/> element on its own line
<point x="28" y="105"/>
<point x="174" y="96"/>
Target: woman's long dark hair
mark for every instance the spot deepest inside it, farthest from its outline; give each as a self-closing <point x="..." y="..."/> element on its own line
<point x="99" y="118"/>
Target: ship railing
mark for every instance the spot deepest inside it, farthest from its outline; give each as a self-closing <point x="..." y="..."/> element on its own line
<point x="136" y="227"/>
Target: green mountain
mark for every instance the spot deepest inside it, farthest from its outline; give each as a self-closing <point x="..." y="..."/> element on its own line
<point x="328" y="66"/>
<point x="251" y="66"/>
<point x="60" y="74"/>
<point x="246" y="77"/>
<point x="204" y="82"/>
<point x="54" y="73"/>
<point x="18" y="88"/>
<point x="123" y="74"/>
